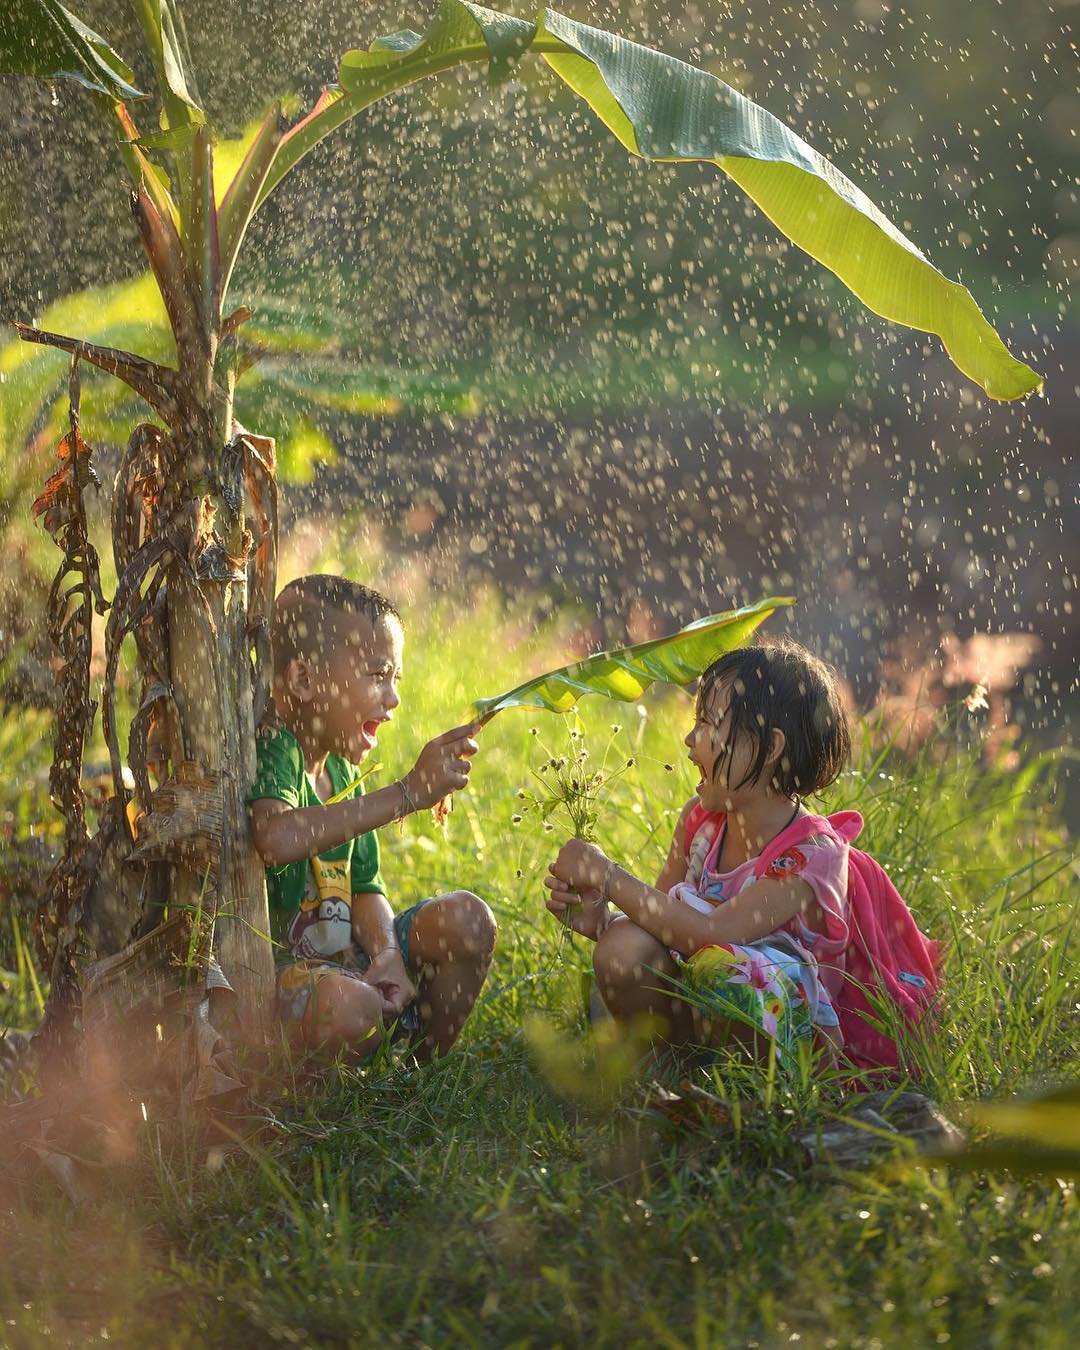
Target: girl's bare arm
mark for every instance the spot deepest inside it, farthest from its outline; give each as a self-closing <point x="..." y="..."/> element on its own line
<point x="588" y="914"/>
<point x="755" y="912"/>
<point x="674" y="868"/>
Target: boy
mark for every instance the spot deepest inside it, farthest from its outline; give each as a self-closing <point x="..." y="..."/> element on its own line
<point x="352" y="965"/>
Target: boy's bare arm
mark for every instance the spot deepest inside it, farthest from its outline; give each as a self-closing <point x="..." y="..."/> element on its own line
<point x="286" y="834"/>
<point x="373" y="923"/>
<point x="373" y="930"/>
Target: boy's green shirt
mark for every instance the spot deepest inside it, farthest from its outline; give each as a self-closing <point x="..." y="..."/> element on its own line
<point x="280" y="774"/>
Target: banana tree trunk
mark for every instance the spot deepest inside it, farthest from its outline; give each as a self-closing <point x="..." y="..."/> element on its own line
<point x="210" y="665"/>
<point x="194" y="526"/>
<point x="213" y="685"/>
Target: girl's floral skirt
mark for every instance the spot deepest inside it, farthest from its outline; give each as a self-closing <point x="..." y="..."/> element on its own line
<point x="764" y="987"/>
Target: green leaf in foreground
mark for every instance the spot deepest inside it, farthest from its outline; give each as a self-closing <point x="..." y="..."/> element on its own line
<point x="625" y="674"/>
<point x="1041" y="1136"/>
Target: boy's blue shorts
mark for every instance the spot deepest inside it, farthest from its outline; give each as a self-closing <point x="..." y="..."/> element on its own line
<point x="297" y="979"/>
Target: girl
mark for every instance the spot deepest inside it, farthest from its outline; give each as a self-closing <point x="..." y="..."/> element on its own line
<point x="755" y="936"/>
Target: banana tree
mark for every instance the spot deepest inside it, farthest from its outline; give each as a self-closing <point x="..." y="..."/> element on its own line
<point x="194" y="515"/>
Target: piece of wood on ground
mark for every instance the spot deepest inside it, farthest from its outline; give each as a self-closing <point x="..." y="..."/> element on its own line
<point x="876" y="1126"/>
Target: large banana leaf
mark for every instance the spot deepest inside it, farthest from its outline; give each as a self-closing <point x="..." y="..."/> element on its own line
<point x="41" y="37"/>
<point x="663" y="109"/>
<point x="657" y="106"/>
<point x="625" y="674"/>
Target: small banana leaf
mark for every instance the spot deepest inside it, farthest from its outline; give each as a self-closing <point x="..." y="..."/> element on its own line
<point x="625" y="674"/>
<point x="42" y="38"/>
<point x="303" y="370"/>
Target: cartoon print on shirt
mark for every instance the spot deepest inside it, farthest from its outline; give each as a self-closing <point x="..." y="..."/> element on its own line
<point x="323" y="924"/>
<point x="786" y="865"/>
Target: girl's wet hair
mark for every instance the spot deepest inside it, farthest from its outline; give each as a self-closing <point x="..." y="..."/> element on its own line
<point x="780" y="686"/>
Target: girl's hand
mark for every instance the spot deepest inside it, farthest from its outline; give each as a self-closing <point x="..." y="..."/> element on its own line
<point x="586" y="912"/>
<point x="580" y="865"/>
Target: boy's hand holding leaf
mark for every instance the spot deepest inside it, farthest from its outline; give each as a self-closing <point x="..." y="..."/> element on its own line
<point x="442" y="766"/>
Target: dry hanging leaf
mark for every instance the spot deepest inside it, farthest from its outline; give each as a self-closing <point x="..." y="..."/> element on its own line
<point x="184" y="823"/>
<point x="151" y="974"/>
<point x="58" y="501"/>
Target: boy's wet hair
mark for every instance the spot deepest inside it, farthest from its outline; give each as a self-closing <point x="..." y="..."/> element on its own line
<point x="307" y="613"/>
<point x="780" y="686"/>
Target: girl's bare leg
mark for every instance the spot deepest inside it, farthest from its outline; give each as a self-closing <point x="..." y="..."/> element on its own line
<point x="630" y="968"/>
<point x="450" y="949"/>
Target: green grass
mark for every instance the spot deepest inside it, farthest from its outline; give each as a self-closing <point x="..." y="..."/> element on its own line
<point x="470" y="1203"/>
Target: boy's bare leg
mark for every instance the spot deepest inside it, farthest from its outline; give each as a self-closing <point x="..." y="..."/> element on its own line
<point x="630" y="965"/>
<point x="450" y="949"/>
<point x="343" y="1016"/>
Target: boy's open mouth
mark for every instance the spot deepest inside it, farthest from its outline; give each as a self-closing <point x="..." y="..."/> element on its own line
<point x="370" y="731"/>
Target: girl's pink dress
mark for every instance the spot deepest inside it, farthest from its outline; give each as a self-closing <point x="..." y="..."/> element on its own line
<point x="784" y="984"/>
